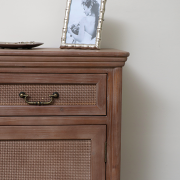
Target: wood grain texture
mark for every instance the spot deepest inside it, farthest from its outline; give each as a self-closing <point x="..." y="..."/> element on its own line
<point x="62" y="64"/>
<point x="109" y="124"/>
<point x="53" y="120"/>
<point x="116" y="123"/>
<point x="62" y="58"/>
<point x="56" y="52"/>
<point x="54" y="70"/>
<point x="52" y="78"/>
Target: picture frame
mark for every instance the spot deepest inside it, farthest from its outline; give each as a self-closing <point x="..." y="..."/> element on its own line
<point x="83" y="24"/>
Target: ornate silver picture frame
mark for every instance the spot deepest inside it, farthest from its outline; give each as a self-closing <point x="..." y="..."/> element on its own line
<point x="83" y="24"/>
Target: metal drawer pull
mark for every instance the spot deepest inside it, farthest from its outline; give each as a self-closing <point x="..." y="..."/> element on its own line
<point x="24" y="95"/>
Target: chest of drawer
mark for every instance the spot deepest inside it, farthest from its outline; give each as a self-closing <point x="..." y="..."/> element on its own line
<point x="74" y="135"/>
<point x="78" y="94"/>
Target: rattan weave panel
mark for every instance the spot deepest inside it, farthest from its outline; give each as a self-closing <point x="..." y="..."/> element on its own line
<point x="45" y="159"/>
<point x="68" y="94"/>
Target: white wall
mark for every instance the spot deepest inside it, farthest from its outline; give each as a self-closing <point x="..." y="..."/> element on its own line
<point x="150" y="31"/>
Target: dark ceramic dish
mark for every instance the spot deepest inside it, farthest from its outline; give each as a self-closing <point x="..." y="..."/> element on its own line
<point x="22" y="45"/>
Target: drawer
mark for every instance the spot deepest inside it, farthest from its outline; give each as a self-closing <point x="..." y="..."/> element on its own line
<point x="79" y="94"/>
<point x="52" y="152"/>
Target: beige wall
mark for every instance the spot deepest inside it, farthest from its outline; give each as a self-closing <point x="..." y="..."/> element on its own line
<point x="150" y="31"/>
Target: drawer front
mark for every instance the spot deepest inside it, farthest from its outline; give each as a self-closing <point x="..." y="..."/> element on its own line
<point x="79" y="94"/>
<point x="52" y="152"/>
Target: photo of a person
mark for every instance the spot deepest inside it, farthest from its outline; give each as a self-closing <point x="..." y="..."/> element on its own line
<point x="83" y="22"/>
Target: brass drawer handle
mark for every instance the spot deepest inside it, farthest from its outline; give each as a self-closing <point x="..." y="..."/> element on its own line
<point x="24" y="95"/>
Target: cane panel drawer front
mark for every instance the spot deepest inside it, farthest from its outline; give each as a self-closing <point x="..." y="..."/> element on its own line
<point x="79" y="94"/>
<point x="52" y="152"/>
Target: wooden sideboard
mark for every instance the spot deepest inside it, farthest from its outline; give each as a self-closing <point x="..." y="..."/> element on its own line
<point x="76" y="136"/>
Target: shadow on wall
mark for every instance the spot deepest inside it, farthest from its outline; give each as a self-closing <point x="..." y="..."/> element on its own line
<point x="138" y="126"/>
<point x="112" y="34"/>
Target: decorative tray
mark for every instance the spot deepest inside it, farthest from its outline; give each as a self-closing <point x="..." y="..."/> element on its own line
<point x="23" y="45"/>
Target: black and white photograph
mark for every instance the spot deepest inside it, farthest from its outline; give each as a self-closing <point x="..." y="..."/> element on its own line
<point x="83" y="22"/>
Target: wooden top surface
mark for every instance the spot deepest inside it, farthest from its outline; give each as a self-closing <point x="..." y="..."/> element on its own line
<point x="56" y="52"/>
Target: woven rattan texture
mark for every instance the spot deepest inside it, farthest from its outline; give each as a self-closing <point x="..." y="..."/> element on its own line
<point x="68" y="94"/>
<point x="45" y="160"/>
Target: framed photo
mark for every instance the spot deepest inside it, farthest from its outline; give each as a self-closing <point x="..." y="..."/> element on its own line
<point x="83" y="24"/>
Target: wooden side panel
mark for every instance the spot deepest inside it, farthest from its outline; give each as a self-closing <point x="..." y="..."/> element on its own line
<point x="116" y="123"/>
